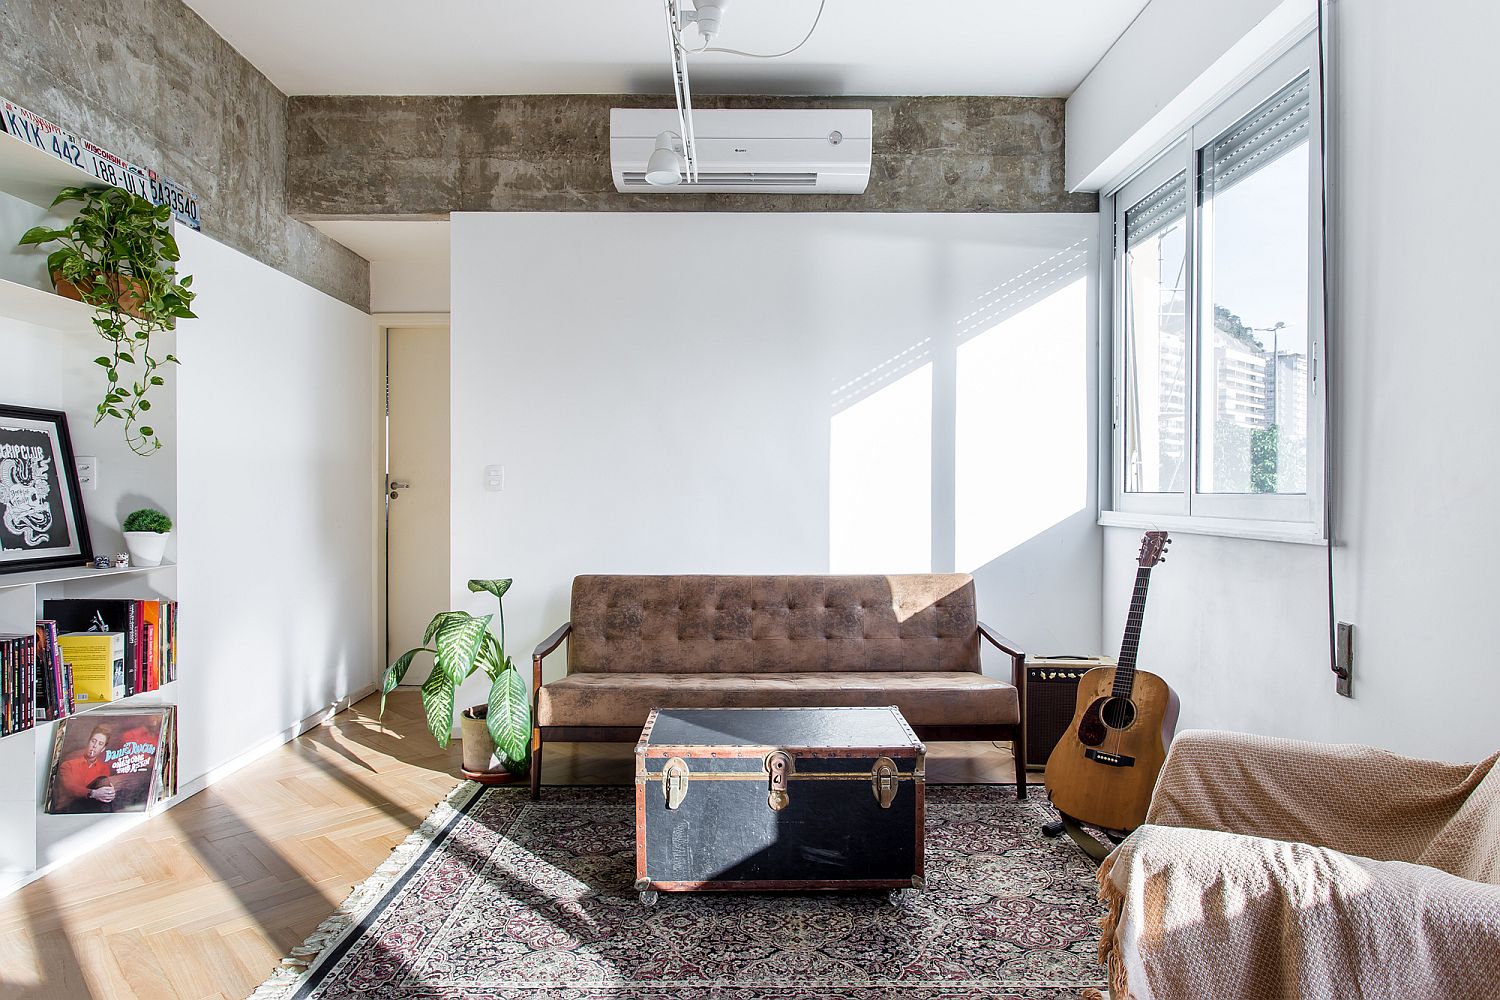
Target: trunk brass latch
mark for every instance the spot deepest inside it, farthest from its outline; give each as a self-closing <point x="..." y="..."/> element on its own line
<point x="779" y="769"/>
<point x="885" y="781"/>
<point x="674" y="781"/>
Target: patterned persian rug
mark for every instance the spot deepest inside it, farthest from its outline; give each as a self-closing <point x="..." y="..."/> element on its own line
<point x="497" y="897"/>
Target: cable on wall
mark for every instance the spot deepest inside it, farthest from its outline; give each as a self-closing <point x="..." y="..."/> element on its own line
<point x="1328" y="331"/>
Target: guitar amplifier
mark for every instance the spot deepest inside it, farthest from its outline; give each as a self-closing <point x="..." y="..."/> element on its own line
<point x="1051" y="698"/>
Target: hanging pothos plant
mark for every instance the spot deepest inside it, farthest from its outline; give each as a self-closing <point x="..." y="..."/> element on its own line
<point x="119" y="256"/>
<point x="461" y="644"/>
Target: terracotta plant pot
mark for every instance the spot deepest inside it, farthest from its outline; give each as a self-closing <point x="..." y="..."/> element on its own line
<point x="126" y="288"/>
<point x="480" y="761"/>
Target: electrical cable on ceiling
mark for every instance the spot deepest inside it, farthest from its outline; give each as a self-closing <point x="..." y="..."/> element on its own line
<point x="760" y="55"/>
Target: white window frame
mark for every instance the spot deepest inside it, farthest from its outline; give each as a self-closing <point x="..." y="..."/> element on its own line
<point x="1285" y="517"/>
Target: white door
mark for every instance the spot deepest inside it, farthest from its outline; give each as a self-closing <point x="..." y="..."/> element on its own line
<point x="417" y="488"/>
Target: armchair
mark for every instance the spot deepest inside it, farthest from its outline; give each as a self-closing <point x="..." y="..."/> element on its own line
<point x="1279" y="869"/>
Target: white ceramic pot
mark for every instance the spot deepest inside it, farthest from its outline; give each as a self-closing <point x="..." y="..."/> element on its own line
<point x="146" y="547"/>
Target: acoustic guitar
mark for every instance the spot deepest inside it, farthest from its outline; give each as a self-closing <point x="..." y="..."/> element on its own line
<point x="1104" y="768"/>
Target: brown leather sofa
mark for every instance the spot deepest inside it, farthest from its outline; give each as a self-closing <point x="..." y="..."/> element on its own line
<point x="640" y="642"/>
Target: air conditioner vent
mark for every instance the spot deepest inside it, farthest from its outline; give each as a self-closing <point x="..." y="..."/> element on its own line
<point x="724" y="178"/>
<point x="749" y="151"/>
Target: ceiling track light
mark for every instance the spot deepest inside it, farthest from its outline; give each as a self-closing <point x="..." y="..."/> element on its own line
<point x="708" y="16"/>
<point x="666" y="167"/>
<point x="677" y="18"/>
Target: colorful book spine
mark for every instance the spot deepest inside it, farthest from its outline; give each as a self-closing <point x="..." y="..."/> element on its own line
<point x="17" y="683"/>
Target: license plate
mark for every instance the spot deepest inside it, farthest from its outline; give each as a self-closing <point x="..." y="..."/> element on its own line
<point x="98" y="162"/>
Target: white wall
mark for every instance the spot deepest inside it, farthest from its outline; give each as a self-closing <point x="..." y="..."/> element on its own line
<point x="277" y="495"/>
<point x="778" y="393"/>
<point x="1178" y="58"/>
<point x="1238" y="626"/>
<point x="417" y="285"/>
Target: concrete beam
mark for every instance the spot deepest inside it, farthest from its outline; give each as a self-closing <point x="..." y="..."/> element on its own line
<point x="424" y="157"/>
<point x="151" y="81"/>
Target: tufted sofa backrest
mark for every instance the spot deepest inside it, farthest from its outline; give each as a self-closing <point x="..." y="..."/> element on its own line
<point x="773" y="624"/>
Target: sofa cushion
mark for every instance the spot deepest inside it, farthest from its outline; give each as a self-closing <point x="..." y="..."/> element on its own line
<point x="773" y="624"/>
<point x="957" y="698"/>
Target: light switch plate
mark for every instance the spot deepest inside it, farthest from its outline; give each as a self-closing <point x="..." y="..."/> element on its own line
<point x="494" y="478"/>
<point x="88" y="472"/>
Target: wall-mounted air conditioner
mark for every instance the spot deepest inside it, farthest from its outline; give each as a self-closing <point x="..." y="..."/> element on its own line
<point x="781" y="151"/>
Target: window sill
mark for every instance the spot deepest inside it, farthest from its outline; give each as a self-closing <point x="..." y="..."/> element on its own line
<point x="1290" y="532"/>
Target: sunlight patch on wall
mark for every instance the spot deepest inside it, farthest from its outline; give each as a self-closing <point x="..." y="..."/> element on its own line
<point x="1022" y="436"/>
<point x="880" y="480"/>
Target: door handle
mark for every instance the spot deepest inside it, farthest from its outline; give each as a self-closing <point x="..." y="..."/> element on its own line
<point x="397" y="485"/>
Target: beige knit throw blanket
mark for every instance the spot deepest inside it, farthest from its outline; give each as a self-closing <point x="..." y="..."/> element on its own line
<point x="1271" y="869"/>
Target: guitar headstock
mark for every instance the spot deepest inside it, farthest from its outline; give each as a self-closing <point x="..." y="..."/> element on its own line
<point x="1153" y="549"/>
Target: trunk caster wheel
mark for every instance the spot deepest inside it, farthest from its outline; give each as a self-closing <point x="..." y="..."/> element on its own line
<point x="897" y="896"/>
<point x="648" y="897"/>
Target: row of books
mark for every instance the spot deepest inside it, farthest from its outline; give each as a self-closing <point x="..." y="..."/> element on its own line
<point x="85" y="652"/>
<point x="54" y="675"/>
<point x="148" y="640"/>
<point x="17" y="683"/>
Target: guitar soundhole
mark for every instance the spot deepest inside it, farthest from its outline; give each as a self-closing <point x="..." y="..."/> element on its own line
<point x="1118" y="713"/>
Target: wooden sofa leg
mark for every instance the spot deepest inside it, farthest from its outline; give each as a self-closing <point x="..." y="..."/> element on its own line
<point x="536" y="769"/>
<point x="1018" y="751"/>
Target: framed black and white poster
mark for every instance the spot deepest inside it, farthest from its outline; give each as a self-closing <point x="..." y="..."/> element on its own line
<point x="42" y="523"/>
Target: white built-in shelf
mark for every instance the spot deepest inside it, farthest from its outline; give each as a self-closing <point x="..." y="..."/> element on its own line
<point x="42" y="730"/>
<point x="32" y="175"/>
<point x="68" y="574"/>
<point x="43" y="307"/>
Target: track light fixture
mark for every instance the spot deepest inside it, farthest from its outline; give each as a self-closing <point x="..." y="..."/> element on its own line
<point x="666" y="166"/>
<point x="708" y="16"/>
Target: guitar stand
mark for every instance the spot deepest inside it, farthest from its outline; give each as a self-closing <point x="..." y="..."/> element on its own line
<point x="1087" y="842"/>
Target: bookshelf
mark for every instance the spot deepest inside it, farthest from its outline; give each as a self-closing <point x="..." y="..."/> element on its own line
<point x="50" y="343"/>
<point x="31" y="841"/>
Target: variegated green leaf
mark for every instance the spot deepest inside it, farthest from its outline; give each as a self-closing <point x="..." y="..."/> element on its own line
<point x="437" y="701"/>
<point x="439" y="622"/>
<point x="396" y="671"/>
<point x="496" y="587"/>
<point x="458" y="642"/>
<point x="509" y="719"/>
<point x="491" y="656"/>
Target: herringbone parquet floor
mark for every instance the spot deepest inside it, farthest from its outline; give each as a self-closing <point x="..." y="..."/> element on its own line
<point x="205" y="899"/>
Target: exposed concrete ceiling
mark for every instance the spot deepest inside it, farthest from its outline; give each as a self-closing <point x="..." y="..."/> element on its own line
<point x="901" y="47"/>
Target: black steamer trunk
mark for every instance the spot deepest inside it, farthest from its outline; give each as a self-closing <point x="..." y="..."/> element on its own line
<point x="779" y="799"/>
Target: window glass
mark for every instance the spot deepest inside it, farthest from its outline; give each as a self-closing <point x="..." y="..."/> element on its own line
<point x="1155" y="418"/>
<point x="1252" y="335"/>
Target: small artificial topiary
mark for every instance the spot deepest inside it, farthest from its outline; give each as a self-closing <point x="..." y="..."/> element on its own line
<point x="147" y="519"/>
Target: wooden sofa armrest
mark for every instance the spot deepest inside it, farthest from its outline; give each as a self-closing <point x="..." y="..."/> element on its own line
<point x="1017" y="657"/>
<point x="546" y="646"/>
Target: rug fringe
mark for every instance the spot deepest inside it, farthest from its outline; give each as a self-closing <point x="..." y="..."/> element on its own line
<point x="293" y="969"/>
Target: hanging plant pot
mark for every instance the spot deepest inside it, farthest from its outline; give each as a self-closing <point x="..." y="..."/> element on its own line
<point x="481" y="762"/>
<point x="119" y="257"/>
<point x="130" y="292"/>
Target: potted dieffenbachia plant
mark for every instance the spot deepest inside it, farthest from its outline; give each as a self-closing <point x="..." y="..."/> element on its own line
<point x="119" y="256"/>
<point x="497" y="734"/>
<point x="146" y="532"/>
